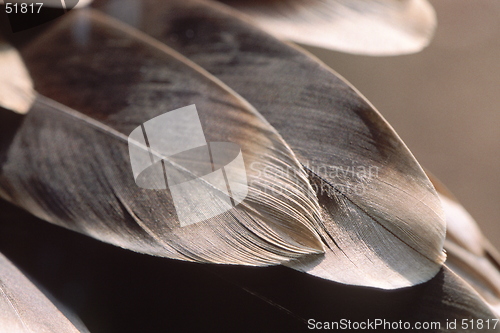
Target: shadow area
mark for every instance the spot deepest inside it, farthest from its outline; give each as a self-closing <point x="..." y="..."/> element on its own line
<point x="115" y="290"/>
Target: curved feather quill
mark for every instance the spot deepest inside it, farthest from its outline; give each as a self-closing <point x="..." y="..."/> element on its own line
<point x="75" y="161"/>
<point x="373" y="27"/>
<point x="382" y="220"/>
<point x="25" y="309"/>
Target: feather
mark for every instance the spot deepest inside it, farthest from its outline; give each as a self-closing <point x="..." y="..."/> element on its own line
<point x="382" y="220"/>
<point x="375" y="27"/>
<point x="24" y="308"/>
<point x="470" y="254"/>
<point x="70" y="164"/>
<point x="481" y="272"/>
<point x="16" y="86"/>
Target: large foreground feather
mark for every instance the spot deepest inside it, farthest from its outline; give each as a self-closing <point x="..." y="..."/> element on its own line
<point x="382" y="220"/>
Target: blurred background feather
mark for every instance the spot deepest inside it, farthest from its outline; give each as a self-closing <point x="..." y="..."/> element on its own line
<point x="375" y="27"/>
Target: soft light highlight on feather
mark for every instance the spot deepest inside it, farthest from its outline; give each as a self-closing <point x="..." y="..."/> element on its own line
<point x="16" y="86"/>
